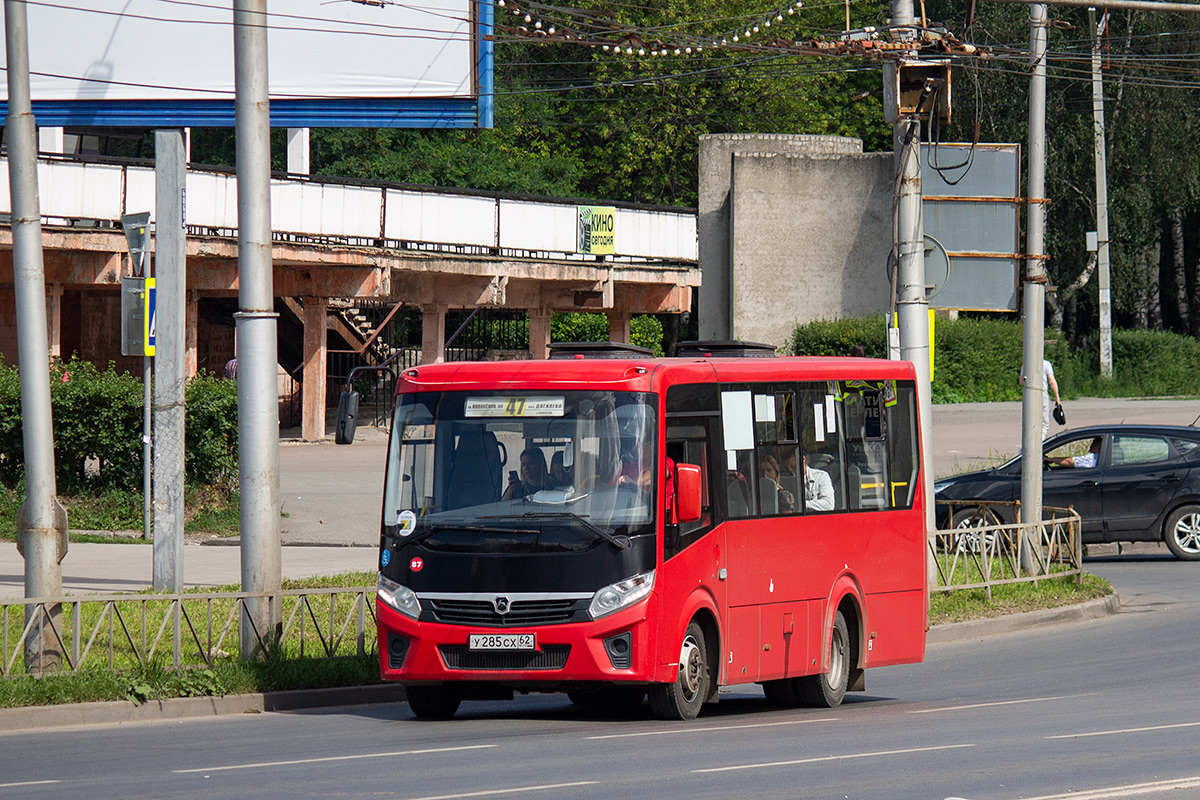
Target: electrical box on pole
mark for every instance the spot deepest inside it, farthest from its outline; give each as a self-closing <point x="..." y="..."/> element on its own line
<point x="916" y="88"/>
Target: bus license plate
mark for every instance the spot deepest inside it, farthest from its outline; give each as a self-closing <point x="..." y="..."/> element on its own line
<point x="501" y="641"/>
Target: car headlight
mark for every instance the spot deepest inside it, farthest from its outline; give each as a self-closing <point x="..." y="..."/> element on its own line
<point x="401" y="598"/>
<point x="621" y="594"/>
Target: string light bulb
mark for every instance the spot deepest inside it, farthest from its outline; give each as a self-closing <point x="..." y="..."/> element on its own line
<point x="500" y="3"/>
<point x="537" y="24"/>
<point x="528" y="18"/>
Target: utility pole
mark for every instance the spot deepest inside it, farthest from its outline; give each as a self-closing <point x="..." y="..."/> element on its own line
<point x="1106" y="364"/>
<point x="1034" y="297"/>
<point x="258" y="393"/>
<point x="170" y="270"/>
<point x="912" y="302"/>
<point x="41" y="520"/>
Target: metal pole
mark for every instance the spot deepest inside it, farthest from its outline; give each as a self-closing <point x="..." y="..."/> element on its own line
<point x="170" y="247"/>
<point x="912" y="303"/>
<point x="1106" y="364"/>
<point x="258" y="409"/>
<point x="1034" y="298"/>
<point x="41" y="521"/>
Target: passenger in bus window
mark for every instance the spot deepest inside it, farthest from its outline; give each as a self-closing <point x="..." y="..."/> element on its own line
<point x="818" y="489"/>
<point x="533" y="477"/>
<point x="560" y="475"/>
<point x="768" y="468"/>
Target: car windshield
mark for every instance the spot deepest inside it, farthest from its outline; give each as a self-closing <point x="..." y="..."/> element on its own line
<point x="535" y="470"/>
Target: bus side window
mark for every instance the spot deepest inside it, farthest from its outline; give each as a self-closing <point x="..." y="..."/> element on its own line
<point x="821" y="441"/>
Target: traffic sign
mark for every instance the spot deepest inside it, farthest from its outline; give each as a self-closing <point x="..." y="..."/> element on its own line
<point x="149" y="317"/>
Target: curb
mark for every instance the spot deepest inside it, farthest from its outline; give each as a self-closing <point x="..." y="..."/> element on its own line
<point x="991" y="626"/>
<point x="121" y="711"/>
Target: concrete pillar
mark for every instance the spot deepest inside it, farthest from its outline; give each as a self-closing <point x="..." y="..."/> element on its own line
<point x="298" y="151"/>
<point x="312" y="426"/>
<point x="539" y="333"/>
<point x="54" y="295"/>
<point x="191" y="360"/>
<point x="618" y="326"/>
<point x="433" y="334"/>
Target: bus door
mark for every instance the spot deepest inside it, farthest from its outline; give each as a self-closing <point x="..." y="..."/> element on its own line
<point x="768" y="613"/>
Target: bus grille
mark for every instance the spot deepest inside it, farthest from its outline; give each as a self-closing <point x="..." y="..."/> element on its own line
<point x="552" y="656"/>
<point x="522" y="612"/>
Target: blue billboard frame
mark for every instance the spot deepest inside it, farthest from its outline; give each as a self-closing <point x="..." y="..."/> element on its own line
<point x="390" y="112"/>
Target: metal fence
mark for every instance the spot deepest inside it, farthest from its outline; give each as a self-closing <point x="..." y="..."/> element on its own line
<point x="981" y="552"/>
<point x="124" y="631"/>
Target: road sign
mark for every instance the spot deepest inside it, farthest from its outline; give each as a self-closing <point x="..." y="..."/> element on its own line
<point x="149" y="317"/>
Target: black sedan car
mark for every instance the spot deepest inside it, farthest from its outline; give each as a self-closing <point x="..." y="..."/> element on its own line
<point x="1129" y="483"/>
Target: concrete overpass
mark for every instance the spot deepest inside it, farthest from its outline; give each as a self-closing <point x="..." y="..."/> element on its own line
<point x="432" y="249"/>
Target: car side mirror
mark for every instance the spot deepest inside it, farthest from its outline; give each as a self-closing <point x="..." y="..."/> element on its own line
<point x="687" y="492"/>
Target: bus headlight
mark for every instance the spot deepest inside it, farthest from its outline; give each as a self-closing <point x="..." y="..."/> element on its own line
<point x="401" y="598"/>
<point x="621" y="594"/>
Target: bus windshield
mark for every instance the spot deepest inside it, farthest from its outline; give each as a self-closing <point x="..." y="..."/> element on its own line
<point x="534" y="471"/>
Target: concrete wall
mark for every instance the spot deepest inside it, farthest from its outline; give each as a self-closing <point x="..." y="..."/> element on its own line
<point x="715" y="304"/>
<point x="810" y="238"/>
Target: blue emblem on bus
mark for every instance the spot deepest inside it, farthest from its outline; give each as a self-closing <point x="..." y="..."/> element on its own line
<point x="386" y="558"/>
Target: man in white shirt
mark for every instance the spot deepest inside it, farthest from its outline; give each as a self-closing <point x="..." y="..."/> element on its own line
<point x="818" y="489"/>
<point x="1048" y="383"/>
<point x="1085" y="461"/>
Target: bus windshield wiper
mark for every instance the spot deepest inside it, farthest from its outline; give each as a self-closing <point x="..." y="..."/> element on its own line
<point x="617" y="541"/>
<point x="429" y="528"/>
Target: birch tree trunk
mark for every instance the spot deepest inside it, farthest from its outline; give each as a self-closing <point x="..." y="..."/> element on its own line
<point x="1181" y="290"/>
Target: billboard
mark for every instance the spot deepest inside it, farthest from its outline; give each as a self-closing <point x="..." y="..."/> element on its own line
<point x="164" y="63"/>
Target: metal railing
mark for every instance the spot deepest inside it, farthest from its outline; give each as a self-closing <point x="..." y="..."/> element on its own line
<point x="124" y="631"/>
<point x="982" y="552"/>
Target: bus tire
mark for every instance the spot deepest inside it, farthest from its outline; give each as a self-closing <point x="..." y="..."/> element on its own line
<point x="681" y="699"/>
<point x="827" y="689"/>
<point x="432" y="702"/>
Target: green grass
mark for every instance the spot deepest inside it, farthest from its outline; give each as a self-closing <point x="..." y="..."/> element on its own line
<point x="1014" y="598"/>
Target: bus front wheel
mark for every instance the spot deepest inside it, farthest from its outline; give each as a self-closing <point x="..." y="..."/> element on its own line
<point x="432" y="702"/>
<point x="683" y="698"/>
<point x="828" y="689"/>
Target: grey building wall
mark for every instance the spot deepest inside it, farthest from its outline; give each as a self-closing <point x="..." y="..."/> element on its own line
<point x="714" y="305"/>
<point x="810" y="238"/>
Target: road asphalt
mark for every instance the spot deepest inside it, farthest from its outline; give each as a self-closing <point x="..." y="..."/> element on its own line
<point x="331" y="496"/>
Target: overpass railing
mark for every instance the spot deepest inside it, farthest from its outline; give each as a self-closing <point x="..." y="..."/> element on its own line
<point x="981" y="552"/>
<point x="324" y="210"/>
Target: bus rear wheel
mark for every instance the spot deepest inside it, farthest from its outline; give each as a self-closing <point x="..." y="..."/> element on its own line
<point x="828" y="689"/>
<point x="432" y="702"/>
<point x="682" y="698"/>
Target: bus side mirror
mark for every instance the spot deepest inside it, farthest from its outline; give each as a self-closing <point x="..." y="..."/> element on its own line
<point x="687" y="492"/>
<point x="347" y="419"/>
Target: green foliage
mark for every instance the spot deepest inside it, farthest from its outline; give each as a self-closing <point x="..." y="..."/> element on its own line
<point x="979" y="360"/>
<point x="98" y="429"/>
<point x="212" y="431"/>
<point x="644" y="331"/>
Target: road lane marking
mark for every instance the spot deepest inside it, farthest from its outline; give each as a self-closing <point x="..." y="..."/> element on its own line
<point x="1124" y="730"/>
<point x="677" y="731"/>
<point x="834" y="758"/>
<point x="1154" y="787"/>
<point x="26" y="783"/>
<point x="997" y="703"/>
<point x="261" y="764"/>
<point x="493" y="792"/>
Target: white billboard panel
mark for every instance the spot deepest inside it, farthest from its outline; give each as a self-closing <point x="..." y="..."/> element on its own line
<point x="141" y="55"/>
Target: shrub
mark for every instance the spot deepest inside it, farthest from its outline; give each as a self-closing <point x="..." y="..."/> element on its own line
<point x="644" y="331"/>
<point x="98" y="429"/>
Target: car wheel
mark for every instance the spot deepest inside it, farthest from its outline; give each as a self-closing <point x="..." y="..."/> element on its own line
<point x="828" y="689"/>
<point x="432" y="702"/>
<point x="1182" y="533"/>
<point x="682" y="698"/>
<point x="977" y="517"/>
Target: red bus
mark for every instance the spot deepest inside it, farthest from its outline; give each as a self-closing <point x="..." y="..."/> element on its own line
<point x="612" y="527"/>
